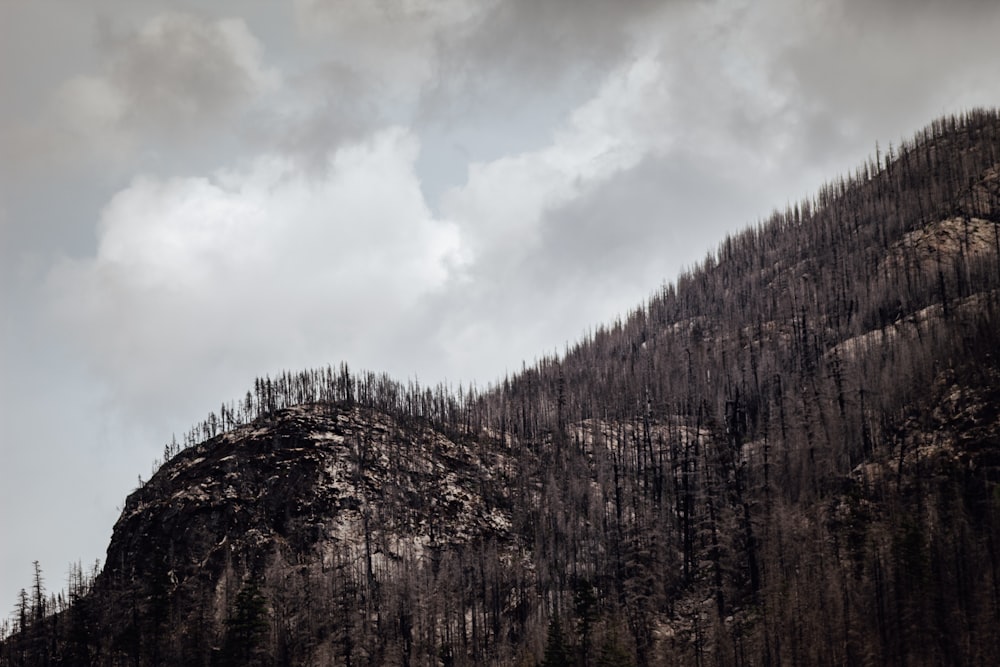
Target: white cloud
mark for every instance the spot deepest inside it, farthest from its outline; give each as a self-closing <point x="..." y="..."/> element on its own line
<point x="253" y="268"/>
<point x="504" y="201"/>
<point x="276" y="265"/>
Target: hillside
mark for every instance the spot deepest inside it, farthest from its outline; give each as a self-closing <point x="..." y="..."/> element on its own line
<point x="791" y="455"/>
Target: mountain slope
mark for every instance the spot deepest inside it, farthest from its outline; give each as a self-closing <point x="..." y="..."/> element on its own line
<point x="308" y="499"/>
<point x="789" y="456"/>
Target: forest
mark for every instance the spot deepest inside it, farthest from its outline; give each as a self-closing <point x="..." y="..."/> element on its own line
<point x="789" y="455"/>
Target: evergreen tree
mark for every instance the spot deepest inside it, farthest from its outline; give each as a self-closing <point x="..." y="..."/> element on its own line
<point x="246" y="629"/>
<point x="557" y="653"/>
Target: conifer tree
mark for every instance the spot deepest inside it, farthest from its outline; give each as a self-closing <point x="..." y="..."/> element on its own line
<point x="246" y="629"/>
<point x="557" y="653"/>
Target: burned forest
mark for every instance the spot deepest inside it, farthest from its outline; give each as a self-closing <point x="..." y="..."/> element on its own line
<point x="788" y="455"/>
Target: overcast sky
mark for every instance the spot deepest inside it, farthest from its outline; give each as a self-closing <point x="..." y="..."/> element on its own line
<point x="193" y="194"/>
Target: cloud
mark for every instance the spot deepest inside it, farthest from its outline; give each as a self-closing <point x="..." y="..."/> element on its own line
<point x="279" y="265"/>
<point x="395" y="42"/>
<point x="504" y="201"/>
<point x="179" y="69"/>
<point x="545" y="40"/>
<point x="851" y="70"/>
<point x="698" y="95"/>
<point x="530" y="49"/>
<point x="459" y="57"/>
<point x="251" y="269"/>
<point x="324" y="106"/>
<point x="177" y="77"/>
<point x="513" y="298"/>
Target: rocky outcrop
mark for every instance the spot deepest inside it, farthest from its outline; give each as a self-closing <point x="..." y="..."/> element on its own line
<point x="304" y="491"/>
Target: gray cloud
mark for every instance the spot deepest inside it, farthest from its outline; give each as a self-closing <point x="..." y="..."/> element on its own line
<point x="172" y="78"/>
<point x="869" y="68"/>
<point x="524" y="53"/>
<point x="179" y="70"/>
<point x="339" y="108"/>
<point x="643" y="222"/>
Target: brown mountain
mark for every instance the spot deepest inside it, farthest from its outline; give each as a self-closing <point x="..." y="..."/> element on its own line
<point x="789" y="456"/>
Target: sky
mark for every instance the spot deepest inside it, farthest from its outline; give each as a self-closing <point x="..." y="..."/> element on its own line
<point x="194" y="194"/>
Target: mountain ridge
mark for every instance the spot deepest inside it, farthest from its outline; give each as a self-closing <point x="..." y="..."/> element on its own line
<point x="791" y="455"/>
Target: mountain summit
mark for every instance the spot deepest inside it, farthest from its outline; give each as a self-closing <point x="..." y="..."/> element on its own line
<point x="791" y="455"/>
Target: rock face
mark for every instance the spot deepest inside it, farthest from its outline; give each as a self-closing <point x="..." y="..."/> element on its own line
<point x="309" y="478"/>
<point x="303" y="492"/>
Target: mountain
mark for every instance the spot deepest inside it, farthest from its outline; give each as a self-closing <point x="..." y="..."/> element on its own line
<point x="791" y="455"/>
